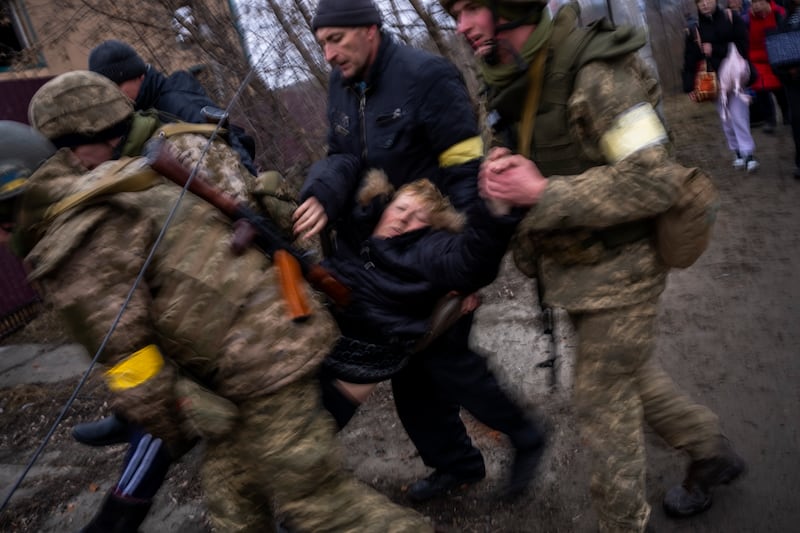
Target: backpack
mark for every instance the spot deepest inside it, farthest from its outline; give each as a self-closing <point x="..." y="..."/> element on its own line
<point x="684" y="230"/>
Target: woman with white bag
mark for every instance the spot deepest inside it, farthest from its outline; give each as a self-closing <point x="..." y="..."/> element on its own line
<point x="720" y="31"/>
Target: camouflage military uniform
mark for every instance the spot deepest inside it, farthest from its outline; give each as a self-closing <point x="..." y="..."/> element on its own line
<point x="203" y="314"/>
<point x="589" y="239"/>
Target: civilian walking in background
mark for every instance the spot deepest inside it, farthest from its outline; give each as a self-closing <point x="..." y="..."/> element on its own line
<point x="716" y="29"/>
<point x="741" y="8"/>
<point x="765" y="16"/>
<point x="790" y="78"/>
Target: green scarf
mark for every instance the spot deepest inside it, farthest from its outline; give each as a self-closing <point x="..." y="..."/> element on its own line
<point x="497" y="76"/>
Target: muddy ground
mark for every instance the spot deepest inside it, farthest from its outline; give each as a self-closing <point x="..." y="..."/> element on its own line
<point x="729" y="336"/>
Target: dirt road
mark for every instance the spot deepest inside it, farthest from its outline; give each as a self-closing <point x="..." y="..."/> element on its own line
<point x="729" y="336"/>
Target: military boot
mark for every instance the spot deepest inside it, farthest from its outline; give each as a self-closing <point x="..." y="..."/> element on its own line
<point x="119" y="515"/>
<point x="694" y="494"/>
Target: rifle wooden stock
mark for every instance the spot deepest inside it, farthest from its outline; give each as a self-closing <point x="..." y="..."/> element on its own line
<point x="266" y="235"/>
<point x="289" y="275"/>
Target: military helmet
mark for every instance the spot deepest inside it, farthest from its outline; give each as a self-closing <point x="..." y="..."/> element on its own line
<point x="511" y="10"/>
<point x="22" y="150"/>
<point x="80" y="107"/>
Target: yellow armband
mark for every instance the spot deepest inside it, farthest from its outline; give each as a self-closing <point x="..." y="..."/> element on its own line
<point x="460" y="153"/>
<point x="135" y="369"/>
<point x="637" y="128"/>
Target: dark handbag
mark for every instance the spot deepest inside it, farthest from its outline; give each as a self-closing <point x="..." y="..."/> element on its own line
<point x="783" y="49"/>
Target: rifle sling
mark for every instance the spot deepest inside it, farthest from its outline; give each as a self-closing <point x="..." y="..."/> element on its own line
<point x="177" y="128"/>
<point x="110" y="184"/>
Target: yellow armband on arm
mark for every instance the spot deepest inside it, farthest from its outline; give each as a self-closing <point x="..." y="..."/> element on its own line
<point x="461" y="152"/>
<point x="637" y="128"/>
<point x="135" y="369"/>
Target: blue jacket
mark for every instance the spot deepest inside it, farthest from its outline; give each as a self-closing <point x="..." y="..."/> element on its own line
<point x="411" y="109"/>
<point x="180" y="96"/>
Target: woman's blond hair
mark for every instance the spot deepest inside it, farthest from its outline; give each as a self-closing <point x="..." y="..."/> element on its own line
<point x="442" y="213"/>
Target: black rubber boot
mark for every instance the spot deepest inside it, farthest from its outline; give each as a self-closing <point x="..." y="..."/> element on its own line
<point x="104" y="432"/>
<point x="119" y="515"/>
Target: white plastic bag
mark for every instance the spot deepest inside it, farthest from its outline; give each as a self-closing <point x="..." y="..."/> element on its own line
<point x="733" y="73"/>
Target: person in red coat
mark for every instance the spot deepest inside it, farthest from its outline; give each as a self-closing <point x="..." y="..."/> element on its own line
<point x="765" y="15"/>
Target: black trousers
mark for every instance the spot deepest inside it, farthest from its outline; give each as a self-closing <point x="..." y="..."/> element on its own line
<point x="763" y="107"/>
<point x="429" y="392"/>
<point x="792" y="89"/>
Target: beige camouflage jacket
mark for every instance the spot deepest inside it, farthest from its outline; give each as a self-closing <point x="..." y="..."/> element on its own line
<point x="215" y="317"/>
<point x="558" y="241"/>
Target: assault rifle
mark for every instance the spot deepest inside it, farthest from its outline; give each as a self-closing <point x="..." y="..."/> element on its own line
<point x="548" y="328"/>
<point x="251" y="227"/>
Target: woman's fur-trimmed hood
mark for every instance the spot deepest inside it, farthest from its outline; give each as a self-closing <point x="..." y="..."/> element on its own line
<point x="375" y="184"/>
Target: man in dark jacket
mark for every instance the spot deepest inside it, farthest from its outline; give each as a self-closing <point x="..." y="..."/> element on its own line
<point x="408" y="113"/>
<point x="178" y="96"/>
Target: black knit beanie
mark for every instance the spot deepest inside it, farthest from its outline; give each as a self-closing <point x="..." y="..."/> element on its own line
<point x="116" y="61"/>
<point x="345" y="14"/>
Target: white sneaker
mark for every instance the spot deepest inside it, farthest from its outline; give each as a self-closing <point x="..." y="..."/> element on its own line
<point x="738" y="163"/>
<point x="752" y="164"/>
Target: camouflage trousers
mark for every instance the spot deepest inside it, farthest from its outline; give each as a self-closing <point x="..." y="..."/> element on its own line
<point x="283" y="453"/>
<point x="619" y="385"/>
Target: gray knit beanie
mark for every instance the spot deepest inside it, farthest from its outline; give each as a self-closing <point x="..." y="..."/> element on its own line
<point x="116" y="61"/>
<point x="345" y="14"/>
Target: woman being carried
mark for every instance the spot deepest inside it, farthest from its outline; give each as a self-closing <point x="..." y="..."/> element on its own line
<point x="418" y="252"/>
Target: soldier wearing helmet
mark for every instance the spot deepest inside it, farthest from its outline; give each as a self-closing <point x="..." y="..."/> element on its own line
<point x="577" y="139"/>
<point x="504" y="15"/>
<point x="92" y="133"/>
<point x="198" y="311"/>
<point x="22" y="150"/>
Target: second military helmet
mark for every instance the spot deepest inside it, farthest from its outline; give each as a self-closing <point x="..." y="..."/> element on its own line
<point x="22" y="150"/>
<point x="80" y="107"/>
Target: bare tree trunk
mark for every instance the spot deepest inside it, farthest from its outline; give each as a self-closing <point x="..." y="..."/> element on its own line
<point x="289" y="30"/>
